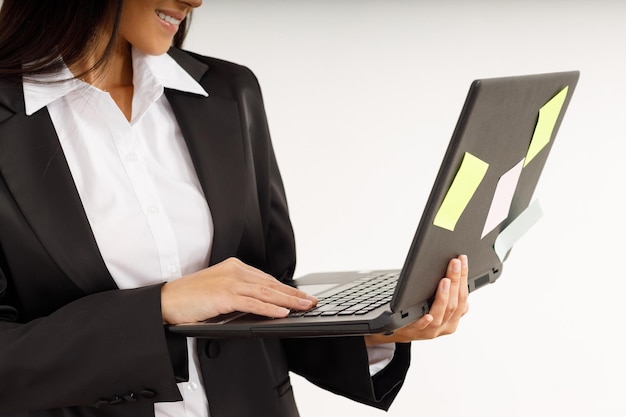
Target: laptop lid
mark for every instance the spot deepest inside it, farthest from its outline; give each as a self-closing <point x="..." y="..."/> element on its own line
<point x="493" y="163"/>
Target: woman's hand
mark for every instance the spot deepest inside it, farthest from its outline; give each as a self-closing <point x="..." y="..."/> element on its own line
<point x="226" y="287"/>
<point x="449" y="306"/>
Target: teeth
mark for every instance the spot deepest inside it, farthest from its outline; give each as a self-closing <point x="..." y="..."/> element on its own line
<point x="168" y="19"/>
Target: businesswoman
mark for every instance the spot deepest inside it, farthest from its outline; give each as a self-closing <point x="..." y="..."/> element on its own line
<point x="138" y="187"/>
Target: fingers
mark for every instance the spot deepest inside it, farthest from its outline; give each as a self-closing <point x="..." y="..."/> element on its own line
<point x="258" y="285"/>
<point x="255" y="306"/>
<point x="277" y="295"/>
<point x="464" y="286"/>
<point x="440" y="306"/>
<point x="457" y="301"/>
<point x="249" y="274"/>
<point x="450" y="302"/>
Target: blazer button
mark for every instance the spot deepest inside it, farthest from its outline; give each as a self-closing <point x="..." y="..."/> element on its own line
<point x="130" y="397"/>
<point x="116" y="400"/>
<point x="147" y="393"/>
<point x="212" y="349"/>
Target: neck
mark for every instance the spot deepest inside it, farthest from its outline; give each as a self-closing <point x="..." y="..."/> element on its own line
<point x="114" y="77"/>
<point x="116" y="72"/>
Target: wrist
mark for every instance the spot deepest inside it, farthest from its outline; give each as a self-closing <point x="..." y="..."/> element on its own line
<point x="165" y="316"/>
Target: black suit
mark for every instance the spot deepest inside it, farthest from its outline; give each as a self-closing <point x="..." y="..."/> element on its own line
<point x="71" y="341"/>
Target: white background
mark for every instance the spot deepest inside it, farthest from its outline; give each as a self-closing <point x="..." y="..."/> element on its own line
<point x="362" y="97"/>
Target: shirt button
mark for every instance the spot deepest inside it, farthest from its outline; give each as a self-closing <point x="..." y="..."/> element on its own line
<point x="152" y="210"/>
<point x="131" y="157"/>
<point x="192" y="386"/>
<point x="172" y="269"/>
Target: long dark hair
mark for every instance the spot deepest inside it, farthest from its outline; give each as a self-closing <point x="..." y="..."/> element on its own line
<point x="35" y="33"/>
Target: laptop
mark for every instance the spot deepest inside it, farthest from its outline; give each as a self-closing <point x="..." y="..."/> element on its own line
<point x="484" y="187"/>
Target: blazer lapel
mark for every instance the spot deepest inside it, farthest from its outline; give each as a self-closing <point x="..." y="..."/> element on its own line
<point x="34" y="167"/>
<point x="211" y="127"/>
<point x="212" y="131"/>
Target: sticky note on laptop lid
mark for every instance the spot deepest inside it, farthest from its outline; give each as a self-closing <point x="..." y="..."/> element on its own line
<point x="548" y="115"/>
<point x="466" y="181"/>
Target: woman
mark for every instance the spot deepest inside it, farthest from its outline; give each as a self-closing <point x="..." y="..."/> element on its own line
<point x="138" y="187"/>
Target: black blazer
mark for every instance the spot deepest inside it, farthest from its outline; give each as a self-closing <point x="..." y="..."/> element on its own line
<point x="73" y="344"/>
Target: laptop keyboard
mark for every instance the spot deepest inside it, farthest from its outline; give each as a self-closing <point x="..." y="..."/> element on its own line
<point x="365" y="295"/>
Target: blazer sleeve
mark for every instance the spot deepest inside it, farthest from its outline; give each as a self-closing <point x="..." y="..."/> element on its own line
<point x="340" y="364"/>
<point x="101" y="350"/>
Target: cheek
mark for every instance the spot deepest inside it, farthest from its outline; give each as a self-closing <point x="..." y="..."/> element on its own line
<point x="141" y="38"/>
<point x="135" y="20"/>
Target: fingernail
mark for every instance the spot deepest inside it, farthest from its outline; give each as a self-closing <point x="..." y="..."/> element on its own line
<point x="445" y="287"/>
<point x="305" y="303"/>
<point x="456" y="265"/>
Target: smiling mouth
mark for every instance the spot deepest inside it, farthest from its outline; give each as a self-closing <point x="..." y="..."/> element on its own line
<point x="168" y="19"/>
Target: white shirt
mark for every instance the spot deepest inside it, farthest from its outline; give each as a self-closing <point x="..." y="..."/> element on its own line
<point x="139" y="188"/>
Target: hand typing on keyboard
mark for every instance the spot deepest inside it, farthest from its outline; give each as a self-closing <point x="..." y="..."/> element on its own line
<point x="449" y="306"/>
<point x="226" y="287"/>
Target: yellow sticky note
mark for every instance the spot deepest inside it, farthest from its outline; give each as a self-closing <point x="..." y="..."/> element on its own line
<point x="467" y="179"/>
<point x="548" y="114"/>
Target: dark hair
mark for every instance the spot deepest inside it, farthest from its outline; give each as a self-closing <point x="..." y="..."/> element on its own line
<point x="35" y="33"/>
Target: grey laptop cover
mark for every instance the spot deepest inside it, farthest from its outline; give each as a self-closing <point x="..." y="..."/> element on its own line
<point x="498" y="126"/>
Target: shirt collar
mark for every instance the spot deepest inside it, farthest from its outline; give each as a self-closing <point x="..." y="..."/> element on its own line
<point x="41" y="90"/>
<point x="167" y="71"/>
